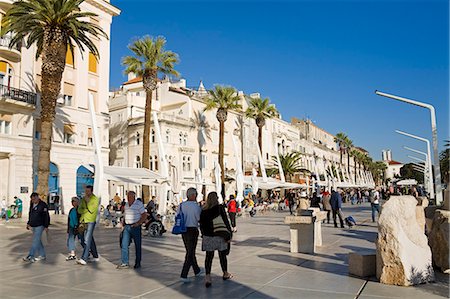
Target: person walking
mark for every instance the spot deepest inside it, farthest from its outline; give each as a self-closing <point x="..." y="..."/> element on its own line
<point x="232" y="210"/>
<point x="216" y="234"/>
<point x="291" y="201"/>
<point x="326" y="204"/>
<point x="4" y="211"/>
<point x="375" y="203"/>
<point x="88" y="210"/>
<point x="38" y="222"/>
<point x="57" y="205"/>
<point x="134" y="216"/>
<point x="191" y="211"/>
<point x="336" y="206"/>
<point x="72" y="229"/>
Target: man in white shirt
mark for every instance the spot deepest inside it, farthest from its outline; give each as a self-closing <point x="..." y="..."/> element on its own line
<point x="375" y="203"/>
<point x="191" y="211"/>
<point x="134" y="216"/>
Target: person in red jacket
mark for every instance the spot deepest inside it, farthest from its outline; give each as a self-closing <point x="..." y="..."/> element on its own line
<point x="232" y="210"/>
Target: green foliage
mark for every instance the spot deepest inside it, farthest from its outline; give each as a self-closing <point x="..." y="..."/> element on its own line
<point x="31" y="20"/>
<point x="261" y="109"/>
<point x="150" y="58"/>
<point x="408" y="172"/>
<point x="223" y="97"/>
<point x="444" y="158"/>
<point x="290" y="163"/>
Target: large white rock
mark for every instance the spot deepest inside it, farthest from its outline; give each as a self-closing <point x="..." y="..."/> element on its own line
<point x="403" y="254"/>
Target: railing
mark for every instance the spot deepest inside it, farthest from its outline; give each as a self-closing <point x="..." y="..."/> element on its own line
<point x="18" y="94"/>
<point x="5" y="40"/>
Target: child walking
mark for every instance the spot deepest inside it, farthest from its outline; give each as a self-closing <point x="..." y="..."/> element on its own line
<point x="72" y="229"/>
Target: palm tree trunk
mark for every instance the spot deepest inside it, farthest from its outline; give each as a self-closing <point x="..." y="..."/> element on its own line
<point x="53" y="63"/>
<point x="348" y="163"/>
<point x="355" y="171"/>
<point x="146" y="140"/>
<point x="340" y="151"/>
<point x="221" y="154"/>
<point x="260" y="130"/>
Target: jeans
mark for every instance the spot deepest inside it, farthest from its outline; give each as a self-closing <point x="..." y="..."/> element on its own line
<point x="339" y="213"/>
<point x="37" y="247"/>
<point x="190" y="239"/>
<point x="56" y="209"/>
<point x="209" y="259"/>
<point x="89" y="242"/>
<point x="4" y="212"/>
<point x="232" y="219"/>
<point x="128" y="234"/>
<point x="375" y="208"/>
<point x="71" y="239"/>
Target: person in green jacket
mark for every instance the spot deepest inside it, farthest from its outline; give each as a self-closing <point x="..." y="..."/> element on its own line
<point x="88" y="210"/>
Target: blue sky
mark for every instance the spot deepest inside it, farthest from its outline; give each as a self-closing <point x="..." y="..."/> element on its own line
<point x="316" y="59"/>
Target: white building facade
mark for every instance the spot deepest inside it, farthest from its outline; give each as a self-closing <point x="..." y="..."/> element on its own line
<point x="72" y="138"/>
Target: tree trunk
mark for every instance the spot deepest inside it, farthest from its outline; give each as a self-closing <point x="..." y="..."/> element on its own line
<point x="340" y="151"/>
<point x="355" y="171"/>
<point x="221" y="154"/>
<point x="53" y="63"/>
<point x="260" y="130"/>
<point x="348" y="163"/>
<point x="146" y="140"/>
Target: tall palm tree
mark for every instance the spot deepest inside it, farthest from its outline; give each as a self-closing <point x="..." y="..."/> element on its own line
<point x="340" y="139"/>
<point x="290" y="163"/>
<point x="222" y="98"/>
<point x="149" y="59"/>
<point x="348" y="144"/>
<point x="260" y="110"/>
<point x="54" y="26"/>
<point x="356" y="159"/>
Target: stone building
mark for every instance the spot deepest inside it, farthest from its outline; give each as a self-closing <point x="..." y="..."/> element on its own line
<point x="72" y="147"/>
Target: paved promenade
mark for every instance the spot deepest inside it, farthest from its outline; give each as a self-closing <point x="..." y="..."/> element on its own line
<point x="260" y="261"/>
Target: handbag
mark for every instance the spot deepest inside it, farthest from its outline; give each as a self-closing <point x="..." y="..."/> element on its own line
<point x="220" y="229"/>
<point x="180" y="225"/>
<point x="82" y="228"/>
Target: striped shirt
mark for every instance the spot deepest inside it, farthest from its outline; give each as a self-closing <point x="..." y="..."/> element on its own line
<point x="133" y="213"/>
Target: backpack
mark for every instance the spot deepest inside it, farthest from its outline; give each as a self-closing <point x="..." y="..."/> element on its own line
<point x="350" y="221"/>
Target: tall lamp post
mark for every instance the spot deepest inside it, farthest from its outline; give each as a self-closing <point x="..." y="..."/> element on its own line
<point x="429" y="161"/>
<point x="436" y="168"/>
<point x="429" y="171"/>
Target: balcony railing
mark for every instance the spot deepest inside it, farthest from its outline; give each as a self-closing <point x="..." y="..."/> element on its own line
<point x="18" y="94"/>
<point x="5" y="40"/>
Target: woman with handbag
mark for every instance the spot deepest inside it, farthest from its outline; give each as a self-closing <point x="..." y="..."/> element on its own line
<point x="216" y="234"/>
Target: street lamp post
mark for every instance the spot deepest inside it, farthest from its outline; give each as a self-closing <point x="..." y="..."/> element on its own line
<point x="429" y="171"/>
<point x="436" y="168"/>
<point x="429" y="160"/>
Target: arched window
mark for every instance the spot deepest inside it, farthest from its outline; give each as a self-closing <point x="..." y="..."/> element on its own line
<point x="137" y="162"/>
<point x="167" y="136"/>
<point x="188" y="163"/>
<point x="156" y="162"/>
<point x="152" y="136"/>
<point x="181" y="138"/>
<point x="138" y="138"/>
<point x="184" y="163"/>
<point x="185" y="139"/>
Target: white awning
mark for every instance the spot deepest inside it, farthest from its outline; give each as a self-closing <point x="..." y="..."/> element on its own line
<point x="272" y="183"/>
<point x="139" y="176"/>
<point x="408" y="182"/>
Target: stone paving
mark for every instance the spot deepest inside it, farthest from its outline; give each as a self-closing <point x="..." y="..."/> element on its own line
<point x="260" y="261"/>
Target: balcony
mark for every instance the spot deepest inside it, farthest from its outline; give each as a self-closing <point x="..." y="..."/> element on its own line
<point x="17" y="95"/>
<point x="11" y="54"/>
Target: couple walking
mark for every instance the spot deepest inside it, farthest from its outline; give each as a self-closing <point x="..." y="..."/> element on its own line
<point x="216" y="234"/>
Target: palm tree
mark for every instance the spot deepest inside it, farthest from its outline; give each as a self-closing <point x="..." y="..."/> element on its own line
<point x="260" y="110"/>
<point x="348" y="144"/>
<point x="290" y="163"/>
<point x="357" y="156"/>
<point x="222" y="98"/>
<point x="340" y="139"/>
<point x="150" y="59"/>
<point x="54" y="26"/>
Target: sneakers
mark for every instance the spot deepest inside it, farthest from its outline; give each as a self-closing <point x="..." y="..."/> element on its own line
<point x="200" y="273"/>
<point x="94" y="259"/>
<point x="29" y="259"/>
<point x="81" y="262"/>
<point x="71" y="258"/>
<point x="40" y="258"/>
<point x="185" y="280"/>
<point x="123" y="266"/>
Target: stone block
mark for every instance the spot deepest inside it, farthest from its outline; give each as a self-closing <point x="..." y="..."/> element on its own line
<point x="403" y="254"/>
<point x="439" y="240"/>
<point x="362" y="264"/>
<point x="302" y="238"/>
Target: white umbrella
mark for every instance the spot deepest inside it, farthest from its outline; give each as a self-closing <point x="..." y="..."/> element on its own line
<point x="217" y="172"/>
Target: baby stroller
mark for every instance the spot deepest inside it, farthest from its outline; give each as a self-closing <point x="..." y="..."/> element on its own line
<point x="154" y="226"/>
<point x="350" y="221"/>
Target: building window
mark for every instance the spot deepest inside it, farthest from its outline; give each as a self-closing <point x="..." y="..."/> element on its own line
<point x="154" y="163"/>
<point x="120" y="145"/>
<point x="181" y="138"/>
<point x="5" y="127"/>
<point x="152" y="136"/>
<point x="137" y="162"/>
<point x="90" y="140"/>
<point x="203" y="161"/>
<point x="188" y="163"/>
<point x="92" y="63"/>
<point x="67" y="100"/>
<point x="184" y="163"/>
<point x="138" y="138"/>
<point x="185" y="139"/>
<point x="69" y="134"/>
<point x="167" y="136"/>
